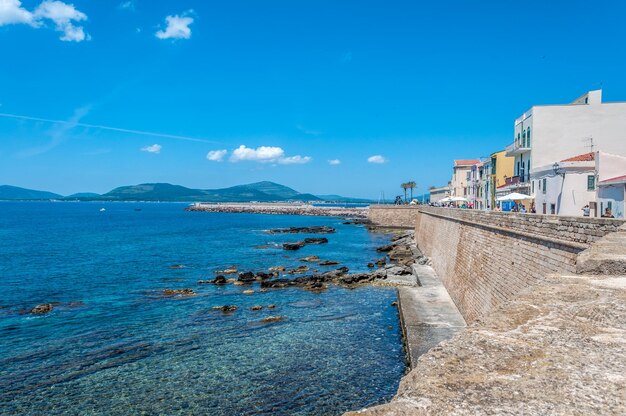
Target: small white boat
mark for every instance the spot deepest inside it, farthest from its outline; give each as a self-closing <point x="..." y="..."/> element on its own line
<point x="102" y="209"/>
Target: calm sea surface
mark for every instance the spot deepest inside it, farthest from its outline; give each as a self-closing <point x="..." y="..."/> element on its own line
<point x="114" y="345"/>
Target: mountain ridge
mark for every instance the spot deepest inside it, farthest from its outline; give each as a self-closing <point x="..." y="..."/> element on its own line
<point x="264" y="191"/>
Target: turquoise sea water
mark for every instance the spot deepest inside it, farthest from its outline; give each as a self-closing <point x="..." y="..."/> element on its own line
<point x="114" y="345"/>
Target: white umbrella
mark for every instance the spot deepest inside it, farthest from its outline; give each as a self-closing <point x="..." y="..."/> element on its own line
<point x="458" y="199"/>
<point x="515" y="197"/>
<point x="446" y="199"/>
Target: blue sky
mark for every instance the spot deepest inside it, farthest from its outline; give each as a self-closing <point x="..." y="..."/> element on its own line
<point x="296" y="83"/>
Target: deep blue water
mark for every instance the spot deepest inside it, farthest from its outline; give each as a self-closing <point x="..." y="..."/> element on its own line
<point x="114" y="345"/>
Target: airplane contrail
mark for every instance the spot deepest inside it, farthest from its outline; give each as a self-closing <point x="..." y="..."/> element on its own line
<point x="121" y="130"/>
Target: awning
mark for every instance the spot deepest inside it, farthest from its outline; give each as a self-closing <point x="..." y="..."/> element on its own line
<point x="515" y="197"/>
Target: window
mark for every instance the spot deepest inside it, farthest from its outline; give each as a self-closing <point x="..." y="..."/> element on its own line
<point x="591" y="182"/>
<point x="528" y="170"/>
<point x="532" y="186"/>
<point x="552" y="209"/>
<point x="519" y="141"/>
<point x="544" y="185"/>
<point x="539" y="184"/>
<point x="528" y="137"/>
<point x="544" y="208"/>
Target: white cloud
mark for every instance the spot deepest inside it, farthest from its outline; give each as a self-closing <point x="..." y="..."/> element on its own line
<point x="261" y="154"/>
<point x="12" y="12"/>
<point x="294" y="160"/>
<point x="334" y="162"/>
<point x="177" y="28"/>
<point x="154" y="148"/>
<point x="267" y="154"/>
<point x="377" y="159"/>
<point x="63" y="15"/>
<point x="216" y="155"/>
<point x="127" y="5"/>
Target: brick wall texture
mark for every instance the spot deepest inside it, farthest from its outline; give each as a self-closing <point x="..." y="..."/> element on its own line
<point x="486" y="258"/>
<point x="402" y="216"/>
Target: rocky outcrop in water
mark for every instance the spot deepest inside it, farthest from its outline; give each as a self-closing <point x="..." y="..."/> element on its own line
<point x="321" y="240"/>
<point x="178" y="292"/>
<point x="322" y="229"/>
<point x="328" y="263"/>
<point x="310" y="259"/>
<point x="294" y="246"/>
<point x="269" y="319"/>
<point x="225" y="308"/>
<point x="42" y="309"/>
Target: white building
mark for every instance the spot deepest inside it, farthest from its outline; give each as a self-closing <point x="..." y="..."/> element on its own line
<point x="437" y="194"/>
<point x="548" y="133"/>
<point x="590" y="179"/>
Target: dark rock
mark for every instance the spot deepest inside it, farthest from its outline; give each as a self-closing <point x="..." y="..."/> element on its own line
<point x="381" y="261"/>
<point x="277" y="283"/>
<point x="178" y="292"/>
<point x="276" y="269"/>
<point x="272" y="306"/>
<point x="394" y="303"/>
<point x="322" y="240"/>
<point x="328" y="263"/>
<point x="370" y="265"/>
<point x="246" y="277"/>
<point x="42" y="309"/>
<point x="293" y="246"/>
<point x="219" y="280"/>
<point x="263" y="276"/>
<point x="303" y="230"/>
<point x="256" y="308"/>
<point x="177" y="266"/>
<point x="225" y="308"/>
<point x="385" y="249"/>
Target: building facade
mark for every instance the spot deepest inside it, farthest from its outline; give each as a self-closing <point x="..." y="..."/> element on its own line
<point x="460" y="172"/>
<point x="437" y="194"/>
<point x="549" y="133"/>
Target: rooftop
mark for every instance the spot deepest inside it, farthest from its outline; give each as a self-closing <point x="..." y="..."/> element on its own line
<point x="465" y="162"/>
<point x="616" y="180"/>
<point x="585" y="157"/>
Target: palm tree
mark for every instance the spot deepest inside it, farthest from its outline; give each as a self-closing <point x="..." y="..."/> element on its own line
<point x="404" y="186"/>
<point x="411" y="185"/>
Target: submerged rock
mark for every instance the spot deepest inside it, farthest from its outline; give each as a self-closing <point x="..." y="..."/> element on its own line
<point x="328" y="263"/>
<point x="177" y="266"/>
<point x="303" y="230"/>
<point x="225" y="308"/>
<point x="256" y="308"/>
<point x="310" y="259"/>
<point x="299" y="270"/>
<point x="384" y="249"/>
<point x="321" y="240"/>
<point x="277" y="269"/>
<point x="178" y="292"/>
<point x="248" y="292"/>
<point x="272" y="306"/>
<point x="381" y="261"/>
<point x="269" y="319"/>
<point x="294" y="246"/>
<point x="370" y="265"/>
<point x="230" y="270"/>
<point x="42" y="309"/>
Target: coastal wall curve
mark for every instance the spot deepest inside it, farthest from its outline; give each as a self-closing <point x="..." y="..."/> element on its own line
<point x="486" y="258"/>
<point x="396" y="216"/>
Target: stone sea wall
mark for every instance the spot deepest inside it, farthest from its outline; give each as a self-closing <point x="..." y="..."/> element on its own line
<point x="555" y="346"/>
<point x="486" y="258"/>
<point x="400" y="216"/>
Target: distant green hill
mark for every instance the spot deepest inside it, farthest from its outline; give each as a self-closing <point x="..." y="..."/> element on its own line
<point x="8" y="192"/>
<point x="82" y="195"/>
<point x="260" y="191"/>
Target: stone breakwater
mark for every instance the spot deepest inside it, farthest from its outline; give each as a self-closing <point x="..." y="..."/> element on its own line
<point x="282" y="209"/>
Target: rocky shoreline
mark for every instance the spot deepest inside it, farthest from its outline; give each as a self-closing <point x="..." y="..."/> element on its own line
<point x="281" y="209"/>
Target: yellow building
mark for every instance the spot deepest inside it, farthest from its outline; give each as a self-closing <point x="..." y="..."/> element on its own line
<point x="502" y="168"/>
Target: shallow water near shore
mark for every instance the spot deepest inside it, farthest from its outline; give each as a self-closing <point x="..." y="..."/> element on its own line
<point x="113" y="344"/>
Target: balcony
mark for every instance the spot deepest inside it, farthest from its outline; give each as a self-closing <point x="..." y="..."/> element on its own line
<point x="514" y="149"/>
